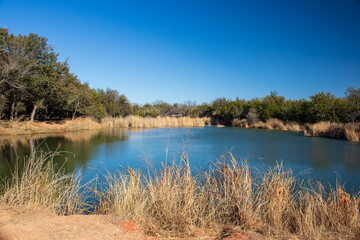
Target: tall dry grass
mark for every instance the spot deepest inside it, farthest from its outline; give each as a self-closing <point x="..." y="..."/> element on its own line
<point x="325" y="129"/>
<point x="352" y="132"/>
<point x="236" y="122"/>
<point x="348" y="131"/>
<point x="39" y="183"/>
<point x="173" y="202"/>
<point x="27" y="127"/>
<point x="272" y="123"/>
<point x="158" y="122"/>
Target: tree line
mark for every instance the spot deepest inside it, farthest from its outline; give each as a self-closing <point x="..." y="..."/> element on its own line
<point x="35" y="84"/>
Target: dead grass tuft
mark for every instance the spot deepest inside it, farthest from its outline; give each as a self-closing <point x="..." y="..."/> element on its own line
<point x="158" y="122"/>
<point x="173" y="202"/>
<point x="39" y="183"/>
<point x="239" y="123"/>
<point x="325" y="129"/>
<point x="352" y="132"/>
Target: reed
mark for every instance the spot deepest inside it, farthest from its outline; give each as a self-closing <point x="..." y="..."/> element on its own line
<point x="158" y="122"/>
<point x="26" y="127"/>
<point x="348" y="131"/>
<point x="37" y="183"/>
<point x="325" y="129"/>
<point x="239" y="123"/>
<point x="352" y="132"/>
<point x="173" y="202"/>
<point x="294" y="127"/>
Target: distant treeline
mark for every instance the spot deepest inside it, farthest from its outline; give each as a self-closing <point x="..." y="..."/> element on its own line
<point x="34" y="84"/>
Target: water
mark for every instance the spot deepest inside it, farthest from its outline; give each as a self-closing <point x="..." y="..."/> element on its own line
<point x="94" y="151"/>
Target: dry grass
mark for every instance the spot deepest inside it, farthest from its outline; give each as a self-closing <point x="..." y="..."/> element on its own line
<point x="173" y="202"/>
<point x="40" y="184"/>
<point x="26" y="127"/>
<point x="158" y="122"/>
<point x="294" y="127"/>
<point x="352" y="132"/>
<point x="326" y="129"/>
<point x="349" y="131"/>
<point x="239" y="123"/>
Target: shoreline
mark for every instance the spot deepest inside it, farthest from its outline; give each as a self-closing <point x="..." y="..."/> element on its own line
<point x="59" y="126"/>
<point x="172" y="203"/>
<point x="349" y="131"/>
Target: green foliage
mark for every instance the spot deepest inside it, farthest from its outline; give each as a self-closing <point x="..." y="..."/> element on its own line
<point x="114" y="103"/>
<point x="147" y="111"/>
<point x="35" y="84"/>
<point x="163" y="108"/>
<point x="225" y="110"/>
<point x="352" y="96"/>
<point x="322" y="107"/>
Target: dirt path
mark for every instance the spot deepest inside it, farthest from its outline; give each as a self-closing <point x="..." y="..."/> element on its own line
<point x="37" y="224"/>
<point x="31" y="224"/>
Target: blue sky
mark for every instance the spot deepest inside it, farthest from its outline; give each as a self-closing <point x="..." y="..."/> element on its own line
<point x="201" y="49"/>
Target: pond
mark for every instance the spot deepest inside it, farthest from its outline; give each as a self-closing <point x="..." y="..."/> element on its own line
<point x="93" y="151"/>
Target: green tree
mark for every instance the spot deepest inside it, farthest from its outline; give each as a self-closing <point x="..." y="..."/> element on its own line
<point x="16" y="65"/>
<point x="322" y="107"/>
<point x="273" y="106"/>
<point x="352" y="95"/>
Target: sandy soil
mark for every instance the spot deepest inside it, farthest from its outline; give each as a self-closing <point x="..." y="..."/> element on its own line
<point x="37" y="224"/>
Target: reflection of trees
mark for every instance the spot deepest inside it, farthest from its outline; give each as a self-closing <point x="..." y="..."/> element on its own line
<point x="74" y="148"/>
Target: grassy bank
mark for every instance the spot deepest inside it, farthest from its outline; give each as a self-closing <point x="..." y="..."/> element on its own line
<point x="38" y="182"/>
<point x="158" y="122"/>
<point x="27" y="127"/>
<point x="173" y="202"/>
<point x="348" y="131"/>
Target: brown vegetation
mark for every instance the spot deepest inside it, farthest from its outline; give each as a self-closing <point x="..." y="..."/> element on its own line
<point x="348" y="131"/>
<point x="352" y="132"/>
<point x="174" y="202"/>
<point x="158" y="122"/>
<point x="27" y="127"/>
<point x="38" y="183"/>
<point x="239" y="123"/>
<point x="325" y="129"/>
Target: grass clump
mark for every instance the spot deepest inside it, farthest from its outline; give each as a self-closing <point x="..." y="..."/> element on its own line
<point x="39" y="183"/>
<point x="174" y="202"/>
<point x="157" y="122"/>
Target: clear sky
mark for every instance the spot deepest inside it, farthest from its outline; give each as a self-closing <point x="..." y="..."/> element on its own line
<point x="179" y="50"/>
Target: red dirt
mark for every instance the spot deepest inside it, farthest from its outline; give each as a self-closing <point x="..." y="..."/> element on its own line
<point x="37" y="224"/>
<point x="31" y="224"/>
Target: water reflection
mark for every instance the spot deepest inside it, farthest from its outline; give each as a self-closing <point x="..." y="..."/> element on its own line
<point x="75" y="149"/>
<point x="320" y="158"/>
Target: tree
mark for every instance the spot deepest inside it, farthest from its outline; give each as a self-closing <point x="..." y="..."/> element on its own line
<point x="16" y="64"/>
<point x="45" y="72"/>
<point x="114" y="103"/>
<point x="90" y="103"/>
<point x="352" y="95"/>
<point x="273" y="105"/>
<point x="322" y="107"/>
